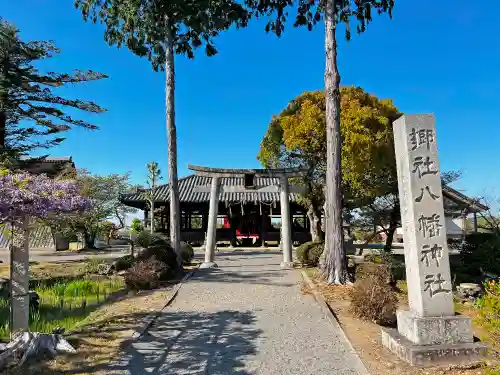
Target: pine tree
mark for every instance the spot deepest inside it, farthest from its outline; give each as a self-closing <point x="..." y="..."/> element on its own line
<point x="32" y="115"/>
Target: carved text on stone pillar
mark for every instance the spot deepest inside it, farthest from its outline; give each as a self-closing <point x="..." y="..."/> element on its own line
<point x="421" y="137"/>
<point x="430" y="226"/>
<point x="431" y="253"/>
<point x="423" y="166"/>
<point x="434" y="284"/>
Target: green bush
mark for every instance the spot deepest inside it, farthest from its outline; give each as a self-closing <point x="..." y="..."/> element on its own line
<point x="146" y="274"/>
<point x="309" y="253"/>
<point x="187" y="253"/>
<point x="489" y="314"/>
<point x="123" y="263"/>
<point x="480" y="251"/>
<point x="163" y="253"/>
<point x="146" y="239"/>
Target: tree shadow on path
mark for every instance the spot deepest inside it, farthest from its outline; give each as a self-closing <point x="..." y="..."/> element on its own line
<point x="189" y="343"/>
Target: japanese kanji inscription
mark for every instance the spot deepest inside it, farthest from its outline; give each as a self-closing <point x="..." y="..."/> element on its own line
<point x="421" y="198"/>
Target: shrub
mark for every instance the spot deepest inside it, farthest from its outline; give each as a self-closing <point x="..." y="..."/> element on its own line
<point x="374" y="300"/>
<point x="370" y="270"/>
<point x="480" y="251"/>
<point x="146" y="274"/>
<point x="489" y="314"/>
<point x="309" y="253"/>
<point x="162" y="253"/>
<point x="94" y="266"/>
<point x="123" y="263"/>
<point x="146" y="239"/>
<point x="187" y="253"/>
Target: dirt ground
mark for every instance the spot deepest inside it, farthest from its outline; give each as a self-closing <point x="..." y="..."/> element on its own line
<point x="366" y="337"/>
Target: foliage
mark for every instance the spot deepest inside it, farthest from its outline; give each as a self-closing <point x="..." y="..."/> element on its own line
<point x="108" y="229"/>
<point x="146" y="274"/>
<point x="32" y="114"/>
<point x="147" y="28"/>
<point x="37" y="196"/>
<point x="297" y="137"/>
<point x="123" y="263"/>
<point x="161" y="252"/>
<point x="480" y="253"/>
<point x="308" y="13"/>
<point x="310" y="252"/>
<point x="144" y="239"/>
<point x="104" y="194"/>
<point x="154" y="174"/>
<point x="489" y="314"/>
<point x="372" y="296"/>
<point x="374" y="300"/>
<point x="136" y="226"/>
<point x="187" y="253"/>
<point x="379" y="268"/>
<point x="65" y="304"/>
<point x="94" y="265"/>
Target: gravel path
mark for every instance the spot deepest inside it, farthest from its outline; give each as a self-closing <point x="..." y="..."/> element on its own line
<point x="247" y="317"/>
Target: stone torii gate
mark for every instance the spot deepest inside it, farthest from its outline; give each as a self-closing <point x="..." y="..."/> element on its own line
<point x="215" y="190"/>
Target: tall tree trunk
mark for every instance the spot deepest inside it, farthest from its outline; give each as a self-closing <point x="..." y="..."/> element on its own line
<point x="175" y="227"/>
<point x="394" y="220"/>
<point x="322" y="258"/>
<point x="152" y="203"/>
<point x="315" y="224"/>
<point x="335" y="258"/>
<point x="89" y="239"/>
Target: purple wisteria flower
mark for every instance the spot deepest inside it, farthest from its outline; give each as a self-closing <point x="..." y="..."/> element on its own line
<point x="24" y="195"/>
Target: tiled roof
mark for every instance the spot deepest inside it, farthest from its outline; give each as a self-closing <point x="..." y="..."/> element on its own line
<point x="188" y="194"/>
<point x="463" y="199"/>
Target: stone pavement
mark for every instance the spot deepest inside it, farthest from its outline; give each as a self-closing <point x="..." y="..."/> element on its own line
<point x="246" y="317"/>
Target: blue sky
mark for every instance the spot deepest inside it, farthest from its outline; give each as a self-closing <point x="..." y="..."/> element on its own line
<point x="438" y="57"/>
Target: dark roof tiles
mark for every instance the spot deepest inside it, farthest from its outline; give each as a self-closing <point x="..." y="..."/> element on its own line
<point x="187" y="192"/>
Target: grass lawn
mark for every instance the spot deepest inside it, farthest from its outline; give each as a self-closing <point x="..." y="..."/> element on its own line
<point x="63" y="304"/>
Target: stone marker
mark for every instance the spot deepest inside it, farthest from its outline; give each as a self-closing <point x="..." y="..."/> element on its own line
<point x="429" y="333"/>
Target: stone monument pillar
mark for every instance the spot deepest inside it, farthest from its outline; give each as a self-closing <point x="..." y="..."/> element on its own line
<point x="286" y="230"/>
<point x="211" y="240"/>
<point x="19" y="276"/>
<point x="429" y="333"/>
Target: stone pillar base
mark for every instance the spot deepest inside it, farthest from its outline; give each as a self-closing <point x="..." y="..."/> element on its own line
<point x="436" y="330"/>
<point x="433" y="341"/>
<point x="286" y="265"/>
<point x="462" y="354"/>
<point x="208" y="265"/>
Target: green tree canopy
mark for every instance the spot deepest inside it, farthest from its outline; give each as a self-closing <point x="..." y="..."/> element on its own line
<point x="297" y="137"/>
<point x="104" y="193"/>
<point x="32" y="115"/>
<point x="148" y="27"/>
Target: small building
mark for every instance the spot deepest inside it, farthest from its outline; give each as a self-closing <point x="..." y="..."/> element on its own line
<point x="244" y="217"/>
<point x="458" y="208"/>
